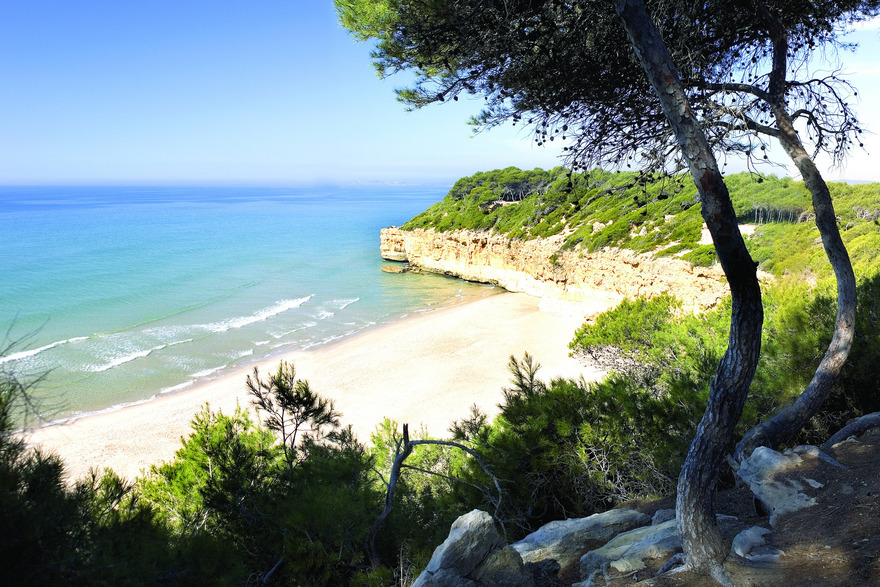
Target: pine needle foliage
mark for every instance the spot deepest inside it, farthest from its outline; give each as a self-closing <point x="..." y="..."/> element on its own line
<point x="292" y="410"/>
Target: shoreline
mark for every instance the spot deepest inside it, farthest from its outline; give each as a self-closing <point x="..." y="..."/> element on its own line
<point x="426" y="369"/>
<point x="245" y="367"/>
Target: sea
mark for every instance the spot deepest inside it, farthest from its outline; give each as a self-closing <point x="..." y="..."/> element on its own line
<point x="116" y="295"/>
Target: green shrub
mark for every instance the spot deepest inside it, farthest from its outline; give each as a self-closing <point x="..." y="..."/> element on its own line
<point x="97" y="531"/>
<point x="703" y="256"/>
<point x="303" y="510"/>
<point x="661" y="215"/>
<point x="568" y="449"/>
<point x="796" y="335"/>
<point x="668" y="354"/>
<point x="630" y="328"/>
<point x="428" y="497"/>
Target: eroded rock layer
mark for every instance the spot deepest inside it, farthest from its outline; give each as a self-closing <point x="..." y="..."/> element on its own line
<point x="539" y="268"/>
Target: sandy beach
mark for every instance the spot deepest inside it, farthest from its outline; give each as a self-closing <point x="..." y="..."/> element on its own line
<point x="426" y="370"/>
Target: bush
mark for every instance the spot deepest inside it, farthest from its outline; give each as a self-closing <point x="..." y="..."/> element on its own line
<point x="703" y="256"/>
<point x="630" y="328"/>
<point x="663" y="353"/>
<point x="569" y="449"/>
<point x="297" y="507"/>
<point x="96" y="531"/>
<point x="797" y="332"/>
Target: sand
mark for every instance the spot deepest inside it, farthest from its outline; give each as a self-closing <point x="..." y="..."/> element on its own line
<point x="426" y="370"/>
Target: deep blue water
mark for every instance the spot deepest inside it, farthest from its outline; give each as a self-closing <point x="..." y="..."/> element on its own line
<point x="122" y="293"/>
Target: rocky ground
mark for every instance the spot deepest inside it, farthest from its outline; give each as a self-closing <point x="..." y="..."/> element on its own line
<point x="837" y="540"/>
<point x="802" y="517"/>
<point x="832" y="542"/>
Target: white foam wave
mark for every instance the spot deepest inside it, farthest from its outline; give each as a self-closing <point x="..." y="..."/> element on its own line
<point x="127" y="359"/>
<point x="30" y="353"/>
<point x="342" y="303"/>
<point x="135" y="355"/>
<point x="323" y="314"/>
<point x="303" y="327"/>
<point x="174" y="388"/>
<point x="278" y="308"/>
<point x="113" y="408"/>
<point x="207" y="372"/>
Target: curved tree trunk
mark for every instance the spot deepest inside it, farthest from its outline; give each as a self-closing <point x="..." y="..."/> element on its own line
<point x="695" y="508"/>
<point x="855" y="428"/>
<point x="399" y="457"/>
<point x="788" y="422"/>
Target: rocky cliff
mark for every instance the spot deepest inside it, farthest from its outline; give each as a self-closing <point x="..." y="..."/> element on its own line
<point x="539" y="268"/>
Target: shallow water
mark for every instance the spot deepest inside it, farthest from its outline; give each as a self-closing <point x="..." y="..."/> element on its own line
<point x="119" y="293"/>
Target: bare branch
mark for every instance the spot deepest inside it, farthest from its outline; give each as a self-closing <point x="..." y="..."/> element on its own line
<point x="402" y="451"/>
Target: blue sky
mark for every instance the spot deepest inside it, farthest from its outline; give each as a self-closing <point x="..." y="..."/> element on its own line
<point x="267" y="92"/>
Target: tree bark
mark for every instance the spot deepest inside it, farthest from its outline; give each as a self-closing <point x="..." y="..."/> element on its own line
<point x="789" y="421"/>
<point x="855" y="428"/>
<point x="399" y="457"/>
<point x="703" y="545"/>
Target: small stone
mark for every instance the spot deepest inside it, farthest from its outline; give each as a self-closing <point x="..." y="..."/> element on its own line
<point x="745" y="541"/>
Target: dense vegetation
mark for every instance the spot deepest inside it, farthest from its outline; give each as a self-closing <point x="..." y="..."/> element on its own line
<point x="657" y="214"/>
<point x="289" y="496"/>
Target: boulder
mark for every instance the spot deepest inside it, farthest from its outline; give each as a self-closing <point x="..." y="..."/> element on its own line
<point x="661" y="516"/>
<point x="770" y="476"/>
<point x="564" y="541"/>
<point x="474" y="555"/>
<point x="627" y="552"/>
<point x="503" y="568"/>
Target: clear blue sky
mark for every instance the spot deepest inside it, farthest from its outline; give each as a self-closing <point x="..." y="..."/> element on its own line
<point x="266" y="92"/>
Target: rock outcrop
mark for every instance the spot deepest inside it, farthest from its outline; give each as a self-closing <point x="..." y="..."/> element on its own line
<point x="628" y="551"/>
<point x="564" y="541"/>
<point x="818" y="527"/>
<point x="474" y="555"/>
<point x="781" y="482"/>
<point x="538" y="267"/>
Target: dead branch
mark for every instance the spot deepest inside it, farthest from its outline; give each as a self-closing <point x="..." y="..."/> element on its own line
<point x="402" y="451"/>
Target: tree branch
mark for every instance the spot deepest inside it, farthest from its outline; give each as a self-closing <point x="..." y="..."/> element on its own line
<point x="855" y="428"/>
<point x="727" y="87"/>
<point x="402" y="451"/>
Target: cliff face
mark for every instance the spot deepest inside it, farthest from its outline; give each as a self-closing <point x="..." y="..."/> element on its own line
<point x="537" y="267"/>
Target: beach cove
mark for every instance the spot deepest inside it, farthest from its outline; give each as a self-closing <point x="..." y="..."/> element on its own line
<point x="425" y="370"/>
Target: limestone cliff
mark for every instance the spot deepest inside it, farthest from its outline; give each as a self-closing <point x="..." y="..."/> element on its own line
<point x="539" y="268"/>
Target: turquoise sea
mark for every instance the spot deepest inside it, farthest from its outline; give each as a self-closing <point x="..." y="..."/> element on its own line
<point x="117" y="294"/>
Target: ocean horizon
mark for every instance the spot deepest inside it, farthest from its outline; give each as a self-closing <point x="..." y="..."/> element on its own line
<point x="117" y="294"/>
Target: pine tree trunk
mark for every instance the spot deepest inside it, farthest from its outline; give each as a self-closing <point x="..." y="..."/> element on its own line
<point x="788" y="422"/>
<point x="695" y="508"/>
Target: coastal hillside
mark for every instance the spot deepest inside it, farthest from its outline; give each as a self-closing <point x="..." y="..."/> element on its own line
<point x="565" y="480"/>
<point x="642" y="239"/>
<point x="562" y="234"/>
